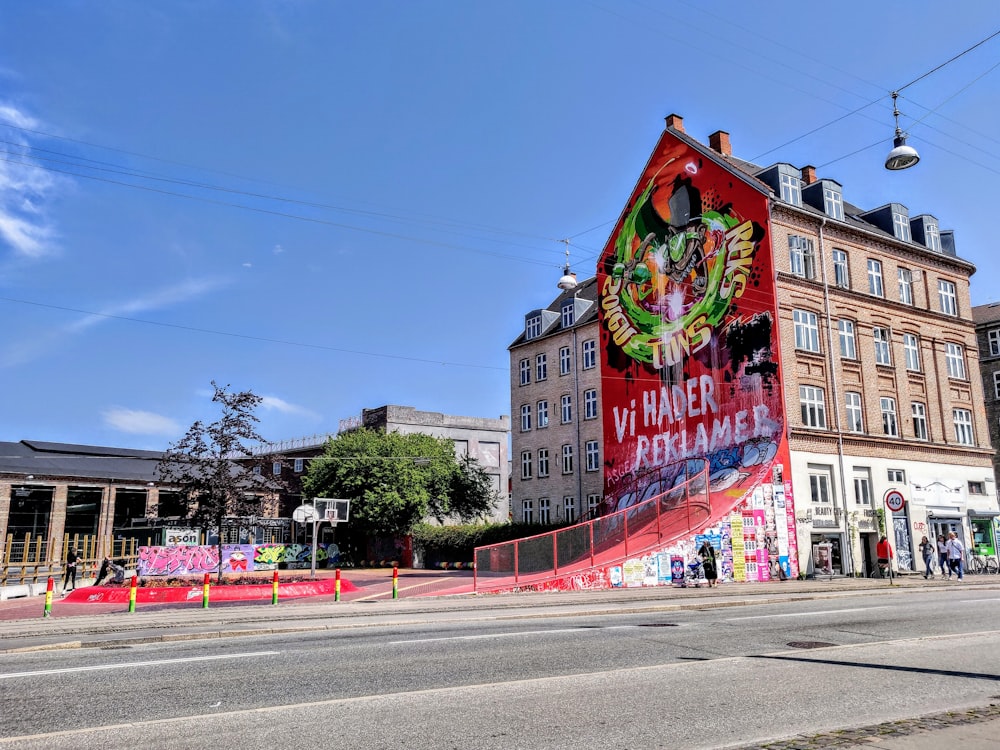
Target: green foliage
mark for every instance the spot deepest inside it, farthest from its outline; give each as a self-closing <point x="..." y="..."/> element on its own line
<point x="457" y="543"/>
<point x="396" y="480"/>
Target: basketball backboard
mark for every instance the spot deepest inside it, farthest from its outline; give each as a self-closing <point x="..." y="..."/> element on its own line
<point x="333" y="510"/>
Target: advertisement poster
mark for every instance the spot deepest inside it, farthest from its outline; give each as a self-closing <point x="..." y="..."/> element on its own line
<point x="677" y="570"/>
<point x="633" y="571"/>
<point x="690" y="364"/>
<point x="739" y="550"/>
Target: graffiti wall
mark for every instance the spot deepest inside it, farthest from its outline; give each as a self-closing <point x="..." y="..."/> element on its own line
<point x="236" y="558"/>
<point x="690" y="363"/>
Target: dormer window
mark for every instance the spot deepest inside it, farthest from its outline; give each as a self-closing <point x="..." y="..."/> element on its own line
<point x="791" y="184"/>
<point x="932" y="237"/>
<point x="568" y="314"/>
<point x="900" y="223"/>
<point x="533" y="327"/>
<point x="833" y="202"/>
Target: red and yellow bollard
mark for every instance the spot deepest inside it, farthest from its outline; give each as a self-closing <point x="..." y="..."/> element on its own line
<point x="336" y="586"/>
<point x="274" y="588"/>
<point x="132" y="589"/>
<point x="395" y="582"/>
<point x="48" y="597"/>
<point x="206" y="586"/>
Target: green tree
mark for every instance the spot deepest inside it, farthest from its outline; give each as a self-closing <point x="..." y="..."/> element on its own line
<point x="209" y="466"/>
<point x="395" y="481"/>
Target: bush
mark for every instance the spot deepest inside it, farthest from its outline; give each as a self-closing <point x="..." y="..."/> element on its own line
<point x="454" y="546"/>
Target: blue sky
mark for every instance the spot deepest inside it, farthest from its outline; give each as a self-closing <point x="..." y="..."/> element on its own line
<point x="375" y="191"/>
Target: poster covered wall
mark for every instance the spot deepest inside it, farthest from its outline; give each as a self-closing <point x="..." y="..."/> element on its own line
<point x="691" y="375"/>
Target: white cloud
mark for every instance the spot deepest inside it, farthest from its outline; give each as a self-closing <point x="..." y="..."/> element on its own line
<point x="278" y="249"/>
<point x="154" y="300"/>
<point x="248" y="265"/>
<point x="24" y="191"/>
<point x="140" y="422"/>
<point x="273" y="403"/>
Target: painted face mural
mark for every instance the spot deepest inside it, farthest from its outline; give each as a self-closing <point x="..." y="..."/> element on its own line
<point x="690" y="362"/>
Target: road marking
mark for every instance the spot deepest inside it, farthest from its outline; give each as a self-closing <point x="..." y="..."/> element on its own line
<point x="808" y="614"/>
<point x="977" y="601"/>
<point x="70" y="670"/>
<point x="505" y="635"/>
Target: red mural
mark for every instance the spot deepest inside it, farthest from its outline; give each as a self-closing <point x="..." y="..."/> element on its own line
<point x="690" y="361"/>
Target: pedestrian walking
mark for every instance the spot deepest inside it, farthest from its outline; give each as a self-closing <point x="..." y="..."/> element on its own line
<point x="708" y="565"/>
<point x="942" y="547"/>
<point x="69" y="580"/>
<point x="885" y="554"/>
<point x="927" y="549"/>
<point x="956" y="554"/>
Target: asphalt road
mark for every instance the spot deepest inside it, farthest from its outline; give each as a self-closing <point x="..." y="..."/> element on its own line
<point x="699" y="678"/>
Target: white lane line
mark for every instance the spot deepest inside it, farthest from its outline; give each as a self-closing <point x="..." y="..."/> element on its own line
<point x="977" y="601"/>
<point x="502" y="635"/>
<point x="808" y="614"/>
<point x="159" y="662"/>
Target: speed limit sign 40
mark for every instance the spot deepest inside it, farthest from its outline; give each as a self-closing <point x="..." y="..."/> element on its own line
<point x="894" y="500"/>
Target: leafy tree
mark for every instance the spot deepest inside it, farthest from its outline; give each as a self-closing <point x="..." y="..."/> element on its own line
<point x="396" y="480"/>
<point x="208" y="466"/>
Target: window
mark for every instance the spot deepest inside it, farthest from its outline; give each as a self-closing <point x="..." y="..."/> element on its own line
<point x="568" y="314"/>
<point x="590" y="404"/>
<point x="994" y="340"/>
<point x="800" y="254"/>
<point x="525" y="367"/>
<point x="525" y="417"/>
<point x="897" y="476"/>
<point x="819" y="482"/>
<point x="862" y="485"/>
<point x="919" y="412"/>
<point x="525" y="464"/>
<point x="963" y="426"/>
<point x="567" y="459"/>
<point x="566" y="408"/>
<point x="533" y="327"/>
<point x="889" y="424"/>
<point x="901" y="225"/>
<point x="791" y="189"/>
<point x="299" y="465"/>
<point x="593" y="503"/>
<point x="806" y="330"/>
<point x="848" y="350"/>
<point x="543" y="510"/>
<point x="813" y="409"/>
<point x="905" y="285"/>
<point x="833" y="203"/>
<point x="257" y="470"/>
<point x="569" y="509"/>
<point x="527" y="511"/>
<point x="276" y="468"/>
<point x="564" y="360"/>
<point x="543" y="462"/>
<point x="911" y="349"/>
<point x="541" y="367"/>
<point x="977" y="488"/>
<point x="954" y="358"/>
<point x="883" y="352"/>
<point x="855" y="414"/>
<point x="996" y="384"/>
<point x="947" y="298"/>
<point x="932" y="236"/>
<point x="841" y="271"/>
<point x="593" y="456"/>
<point x="875" y="278"/>
<point x="543" y="414"/>
<point x="589" y="354"/>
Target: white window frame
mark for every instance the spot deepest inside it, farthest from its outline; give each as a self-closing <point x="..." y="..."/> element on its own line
<point x="813" y="406"/>
<point x="933" y="236"/>
<point x="806" y="330"/>
<point x="543" y="462"/>
<point x="895" y="476"/>
<point x="569" y="509"/>
<point x="544" y="511"/>
<point x="862" y="485"/>
<point x="299" y="465"/>
<point x="901" y="226"/>
<point x="833" y="203"/>
<point x="820" y="483"/>
<point x="593" y="455"/>
<point x="841" y="269"/>
<point x="947" y="297"/>
<point x="566" y="408"/>
<point x="790" y="188"/>
<point x="589" y="354"/>
<point x="541" y="367"/>
<point x="527" y="511"/>
<point x="593" y="502"/>
<point x="890" y="419"/>
<point x="993" y="337"/>
<point x="525" y="368"/>
<point x="276" y="468"/>
<point x="542" y="414"/>
<point x="801" y="258"/>
<point x="962" y="419"/>
<point x="525" y="417"/>
<point x="525" y="464"/>
<point x="882" y="339"/>
<point x="996" y="384"/>
<point x="590" y="403"/>
<point x="905" y="277"/>
<point x="568" y="316"/>
<point x="919" y="413"/>
<point x="533" y="327"/>
<point x="954" y="359"/>
<point x="875" y="286"/>
<point x="848" y="343"/>
<point x="855" y="412"/>
<point x="911" y="352"/>
<point x="567" y="459"/>
<point x="564" y="360"/>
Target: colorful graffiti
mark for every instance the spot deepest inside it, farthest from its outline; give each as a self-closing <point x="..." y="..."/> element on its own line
<point x="690" y="359"/>
<point x="236" y="558"/>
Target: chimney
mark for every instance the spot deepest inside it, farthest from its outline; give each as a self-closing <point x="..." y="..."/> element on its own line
<point x="808" y="174"/>
<point x="676" y="122"/>
<point x="719" y="141"/>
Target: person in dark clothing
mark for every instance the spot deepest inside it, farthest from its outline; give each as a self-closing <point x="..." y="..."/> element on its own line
<point x="69" y="581"/>
<point x="103" y="572"/>
<point x="708" y="565"/>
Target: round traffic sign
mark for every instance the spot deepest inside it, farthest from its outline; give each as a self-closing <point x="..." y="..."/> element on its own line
<point x="894" y="500"/>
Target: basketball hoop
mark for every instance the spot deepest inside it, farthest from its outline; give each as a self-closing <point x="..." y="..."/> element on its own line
<point x="333" y="515"/>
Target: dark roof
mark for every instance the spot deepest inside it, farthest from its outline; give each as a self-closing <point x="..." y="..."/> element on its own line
<point x="585" y="290"/>
<point x="44" y="459"/>
<point x="986" y="314"/>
